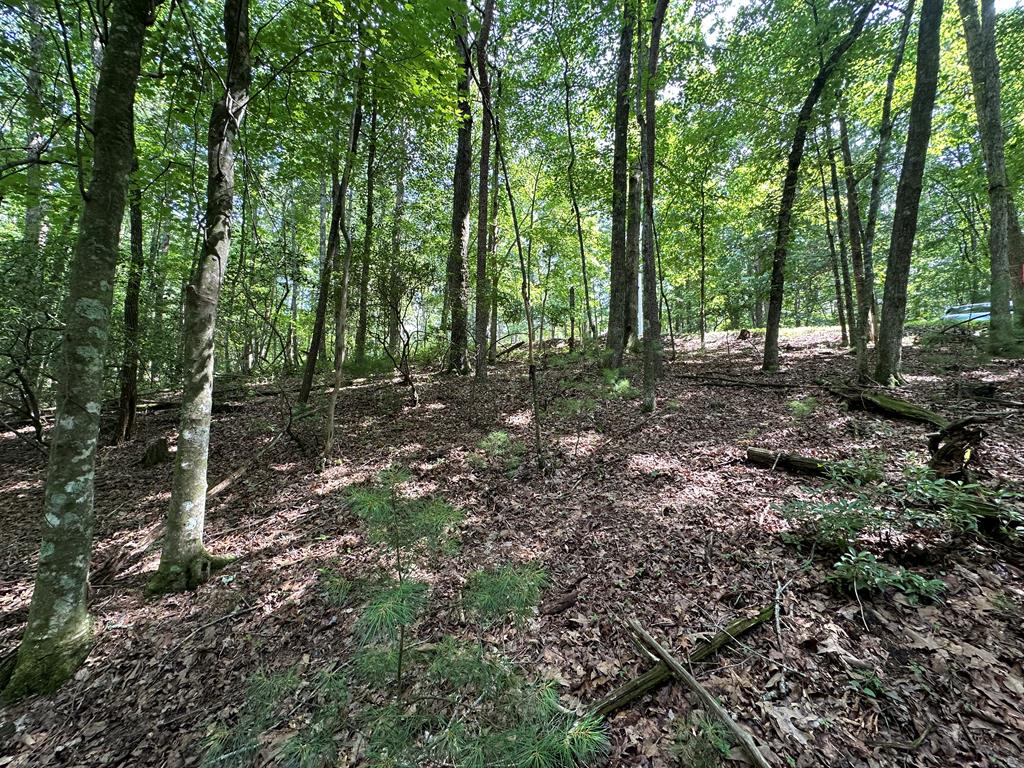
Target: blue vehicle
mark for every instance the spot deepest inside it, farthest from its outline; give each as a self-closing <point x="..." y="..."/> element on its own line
<point x="969" y="313"/>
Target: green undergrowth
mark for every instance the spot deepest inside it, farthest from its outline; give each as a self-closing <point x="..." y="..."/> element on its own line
<point x="858" y="514"/>
<point x="498" y="448"/>
<point x="403" y="699"/>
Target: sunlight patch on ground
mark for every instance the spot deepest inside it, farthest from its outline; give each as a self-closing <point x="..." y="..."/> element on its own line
<point x="648" y="464"/>
<point x="584" y="444"/>
<point x="520" y="419"/>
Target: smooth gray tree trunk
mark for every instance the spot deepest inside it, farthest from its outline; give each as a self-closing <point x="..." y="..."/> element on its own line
<point x="184" y="561"/>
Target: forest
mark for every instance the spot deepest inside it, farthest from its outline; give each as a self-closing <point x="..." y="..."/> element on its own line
<point x="512" y="383"/>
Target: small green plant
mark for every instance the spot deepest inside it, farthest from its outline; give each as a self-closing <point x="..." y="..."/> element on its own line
<point x="862" y="469"/>
<point x="499" y="445"/>
<point x="863" y="572"/>
<point x="866" y="682"/>
<point x="701" y="742"/>
<point x="957" y="506"/>
<point x="504" y="592"/>
<point x="335" y="588"/>
<point x="835" y="524"/>
<point x="409" y="527"/>
<point x="803" y="407"/>
<point x="618" y="386"/>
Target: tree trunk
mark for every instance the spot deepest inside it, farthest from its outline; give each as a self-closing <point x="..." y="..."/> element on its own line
<point x="1016" y="259"/>
<point x="631" y="320"/>
<point x="492" y="247"/>
<point x="329" y="256"/>
<point x="860" y="282"/>
<point x="618" y="303"/>
<point x="364" y="273"/>
<point x="844" y="259"/>
<point x="457" y="275"/>
<point x="342" y="270"/>
<point x="128" y="376"/>
<point x="796" y="153"/>
<point x="393" y="288"/>
<point x="908" y="194"/>
<point x="482" y="287"/>
<point x="833" y="256"/>
<point x="984" y="65"/>
<point x="59" y="630"/>
<point x="652" y="317"/>
<point x="881" y="155"/>
<point x="184" y="561"/>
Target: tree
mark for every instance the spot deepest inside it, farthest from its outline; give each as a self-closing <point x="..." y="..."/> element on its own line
<point x="618" y="307"/>
<point x="457" y="275"/>
<point x="789" y="184"/>
<point x="984" y="65"/>
<point x="184" y="561"/>
<point x="908" y="194"/>
<point x="59" y="631"/>
<point x="482" y="287"/>
<point x="652" y="319"/>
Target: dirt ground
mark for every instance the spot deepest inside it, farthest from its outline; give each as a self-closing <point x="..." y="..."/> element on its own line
<point x="655" y="517"/>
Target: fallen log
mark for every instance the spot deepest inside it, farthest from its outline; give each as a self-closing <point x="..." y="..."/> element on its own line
<point x="659" y="674"/>
<point x="739" y="733"/>
<point x="790" y="462"/>
<point x="888" y="405"/>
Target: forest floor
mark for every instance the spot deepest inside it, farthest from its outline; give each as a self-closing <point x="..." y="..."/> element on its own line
<point x="656" y="517"/>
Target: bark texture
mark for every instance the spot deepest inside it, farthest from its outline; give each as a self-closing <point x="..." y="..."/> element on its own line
<point x="59" y="630"/>
<point x="908" y="195"/>
<point x="128" y="376"/>
<point x="184" y="561"/>
<point x="984" y="65"/>
<point x="364" y="265"/>
<point x="458" y="277"/>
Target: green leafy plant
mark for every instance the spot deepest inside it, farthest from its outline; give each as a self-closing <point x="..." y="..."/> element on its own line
<point x="334" y="587"/>
<point x="835" y="524"/>
<point x="866" y="682"/>
<point x="504" y="592"/>
<point x="862" y="469"/>
<point x="863" y="572"/>
<point x="701" y="742"/>
<point x="803" y="407"/>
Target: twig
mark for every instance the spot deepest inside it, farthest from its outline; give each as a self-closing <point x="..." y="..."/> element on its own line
<point x="741" y="735"/>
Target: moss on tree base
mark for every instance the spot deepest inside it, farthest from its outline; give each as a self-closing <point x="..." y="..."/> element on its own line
<point x="42" y="666"/>
<point x="181" y="577"/>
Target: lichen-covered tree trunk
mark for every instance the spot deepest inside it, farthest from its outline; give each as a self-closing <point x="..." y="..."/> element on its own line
<point x="457" y="274"/>
<point x="908" y="195"/>
<point x="796" y="153"/>
<point x="364" y="266"/>
<point x="618" y="307"/>
<point x="862" y="317"/>
<point x="482" y="284"/>
<point x="984" y="65"/>
<point x="59" y="631"/>
<point x="652" y="315"/>
<point x="184" y="561"/>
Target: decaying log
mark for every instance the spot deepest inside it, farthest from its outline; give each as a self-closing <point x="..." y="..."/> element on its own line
<point x="888" y="405"/>
<point x="739" y="733"/>
<point x="955" y="446"/>
<point x="790" y="462"/>
<point x="659" y="674"/>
